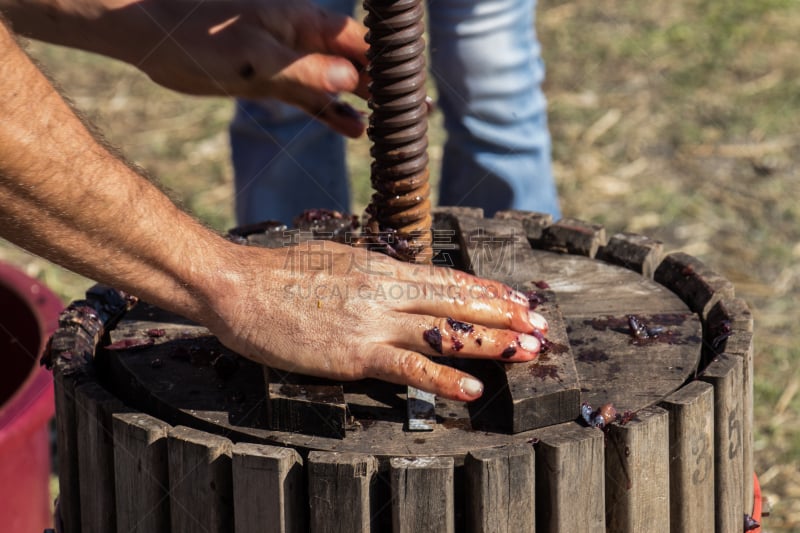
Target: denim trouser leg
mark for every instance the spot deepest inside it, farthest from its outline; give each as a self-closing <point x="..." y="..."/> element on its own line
<point x="284" y="161"/>
<point x="488" y="69"/>
<point x="284" y="167"/>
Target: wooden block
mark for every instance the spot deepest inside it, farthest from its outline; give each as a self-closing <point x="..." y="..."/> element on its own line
<point x="268" y="489"/>
<point x="200" y="490"/>
<point x="141" y="477"/>
<point x="93" y="409"/>
<point x="637" y="473"/>
<point x="422" y="495"/>
<point x="691" y="442"/>
<point x="446" y="244"/>
<point x="696" y="284"/>
<point x="733" y="311"/>
<point x="725" y="375"/>
<point x="520" y="396"/>
<point x="82" y="324"/>
<point x="110" y="303"/>
<point x="450" y="211"/>
<point x="572" y="236"/>
<point x="304" y="404"/>
<point x="729" y="320"/>
<point x="534" y="223"/>
<point x="492" y="247"/>
<point x="501" y="490"/>
<point x="269" y="234"/>
<point x="339" y="486"/>
<point x="570" y="480"/>
<point x="523" y="396"/>
<point x="635" y="252"/>
<point x="72" y="347"/>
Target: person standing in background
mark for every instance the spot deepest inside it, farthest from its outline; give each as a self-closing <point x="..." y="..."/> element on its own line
<point x="486" y="63"/>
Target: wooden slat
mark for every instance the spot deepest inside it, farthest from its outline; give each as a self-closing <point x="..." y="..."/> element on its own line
<point x="691" y="441"/>
<point x="725" y="375"/>
<point x="500" y="490"/>
<point x="730" y="331"/>
<point x="93" y="409"/>
<point x="742" y="346"/>
<point x="635" y="252"/>
<point x="268" y="489"/>
<point x="422" y="495"/>
<point x="736" y="316"/>
<point x="637" y="473"/>
<point x="199" y="481"/>
<point x="70" y="353"/>
<point x="67" y="437"/>
<point x="141" y="477"/>
<point x="696" y="284"/>
<point x="727" y="319"/>
<point x="570" y="480"/>
<point x="573" y="236"/>
<point x="339" y="491"/>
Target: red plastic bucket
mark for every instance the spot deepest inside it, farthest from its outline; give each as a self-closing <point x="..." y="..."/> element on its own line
<point x="28" y="316"/>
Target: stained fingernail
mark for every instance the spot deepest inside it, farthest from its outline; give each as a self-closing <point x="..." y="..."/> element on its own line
<point x="538" y="321"/>
<point x="519" y="297"/>
<point x="342" y="77"/>
<point x="529" y="343"/>
<point x="471" y="386"/>
<point x="430" y="104"/>
<point x="346" y="110"/>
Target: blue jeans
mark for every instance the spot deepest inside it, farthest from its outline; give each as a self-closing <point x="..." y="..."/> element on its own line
<point x="486" y="63"/>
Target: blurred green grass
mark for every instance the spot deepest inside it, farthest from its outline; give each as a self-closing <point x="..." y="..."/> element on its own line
<point x="679" y="120"/>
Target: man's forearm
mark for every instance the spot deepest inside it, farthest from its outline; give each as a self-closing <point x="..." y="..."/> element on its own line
<point x="66" y="198"/>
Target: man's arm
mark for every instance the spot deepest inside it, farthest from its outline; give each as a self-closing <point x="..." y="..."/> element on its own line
<point x="355" y="314"/>
<point x="293" y="51"/>
<point x="63" y="194"/>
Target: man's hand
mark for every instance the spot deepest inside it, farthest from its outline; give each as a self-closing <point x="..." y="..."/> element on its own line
<point x="293" y="51"/>
<point x="329" y="310"/>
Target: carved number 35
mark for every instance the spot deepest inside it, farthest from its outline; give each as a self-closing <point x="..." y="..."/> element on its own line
<point x="700" y="451"/>
<point x="734" y="434"/>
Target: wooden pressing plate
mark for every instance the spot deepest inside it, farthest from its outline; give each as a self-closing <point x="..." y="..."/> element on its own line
<point x="177" y="371"/>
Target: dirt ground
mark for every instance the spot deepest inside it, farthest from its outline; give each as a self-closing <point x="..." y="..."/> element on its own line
<point x="679" y="120"/>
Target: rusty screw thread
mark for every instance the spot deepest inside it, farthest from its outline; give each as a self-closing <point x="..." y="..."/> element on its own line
<point x="400" y="218"/>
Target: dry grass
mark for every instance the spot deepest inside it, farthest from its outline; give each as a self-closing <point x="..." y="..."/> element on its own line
<point x="676" y="119"/>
